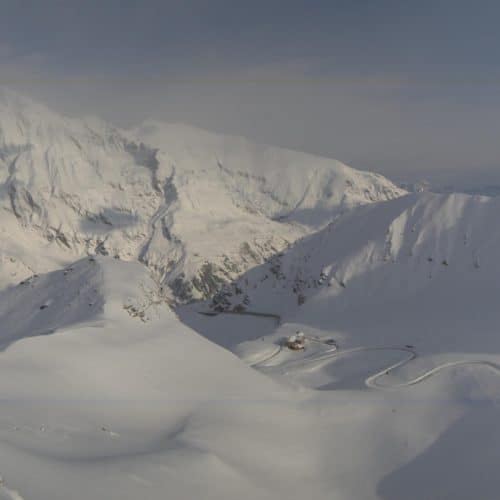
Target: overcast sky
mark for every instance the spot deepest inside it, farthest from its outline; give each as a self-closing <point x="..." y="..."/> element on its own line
<point x="410" y="89"/>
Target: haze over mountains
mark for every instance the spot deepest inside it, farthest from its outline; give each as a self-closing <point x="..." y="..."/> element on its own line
<point x="114" y="386"/>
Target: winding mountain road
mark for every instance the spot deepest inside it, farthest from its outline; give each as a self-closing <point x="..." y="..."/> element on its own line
<point x="372" y="381"/>
<point x="333" y="352"/>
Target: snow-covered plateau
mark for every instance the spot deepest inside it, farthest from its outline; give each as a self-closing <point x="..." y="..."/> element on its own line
<point x="149" y="280"/>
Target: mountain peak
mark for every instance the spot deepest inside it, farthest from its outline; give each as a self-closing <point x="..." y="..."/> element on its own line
<point x="197" y="208"/>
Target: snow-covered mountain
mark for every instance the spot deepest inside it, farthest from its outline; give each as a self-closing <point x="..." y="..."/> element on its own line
<point x="197" y="208"/>
<point x="398" y="302"/>
<point x="441" y="247"/>
<point x="105" y="394"/>
<point x="420" y="270"/>
<point x="107" y="388"/>
<point x="108" y="393"/>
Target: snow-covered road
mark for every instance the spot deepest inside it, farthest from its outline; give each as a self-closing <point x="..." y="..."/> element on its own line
<point x="332" y="352"/>
<point x="373" y="381"/>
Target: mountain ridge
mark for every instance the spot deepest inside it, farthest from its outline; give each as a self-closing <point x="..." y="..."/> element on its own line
<point x="197" y="208"/>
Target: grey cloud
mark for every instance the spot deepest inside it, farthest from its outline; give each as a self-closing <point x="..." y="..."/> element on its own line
<point x="407" y="89"/>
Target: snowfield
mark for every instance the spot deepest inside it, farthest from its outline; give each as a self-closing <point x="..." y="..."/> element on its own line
<point x="115" y="383"/>
<point x="408" y="291"/>
<point x="118" y="406"/>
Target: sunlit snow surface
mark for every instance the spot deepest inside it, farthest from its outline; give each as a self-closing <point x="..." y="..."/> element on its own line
<point x="109" y="393"/>
<point x="197" y="208"/>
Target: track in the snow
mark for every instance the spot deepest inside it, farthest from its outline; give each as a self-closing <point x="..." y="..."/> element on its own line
<point x="374" y="381"/>
<point x="333" y="352"/>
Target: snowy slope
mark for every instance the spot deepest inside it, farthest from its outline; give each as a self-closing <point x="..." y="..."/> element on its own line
<point x="421" y="270"/>
<point x="198" y="209"/>
<point x="385" y="252"/>
<point x="408" y="291"/>
<point x="100" y="401"/>
<point x="399" y="304"/>
<point x="104" y="402"/>
<point x="278" y="183"/>
<point x="107" y="393"/>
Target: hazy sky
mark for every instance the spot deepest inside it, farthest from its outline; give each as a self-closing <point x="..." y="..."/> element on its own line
<point x="409" y="89"/>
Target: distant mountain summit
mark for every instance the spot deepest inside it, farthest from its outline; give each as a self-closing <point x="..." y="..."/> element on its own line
<point x="198" y="209"/>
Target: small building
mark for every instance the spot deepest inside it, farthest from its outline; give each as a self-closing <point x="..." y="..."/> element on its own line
<point x="296" y="342"/>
